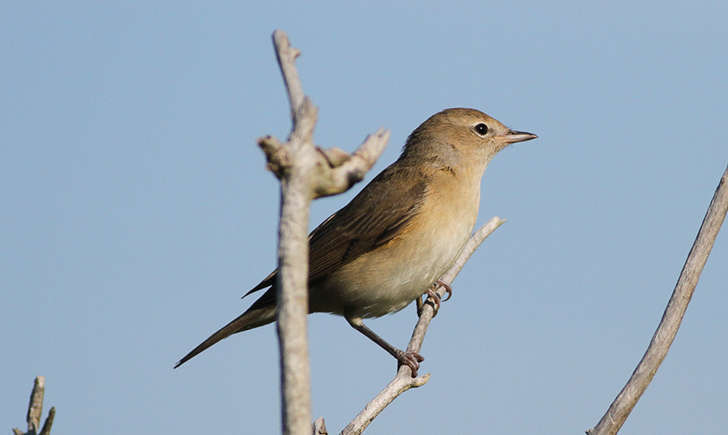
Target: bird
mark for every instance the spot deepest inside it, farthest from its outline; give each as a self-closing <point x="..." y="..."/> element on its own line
<point x="393" y="241"/>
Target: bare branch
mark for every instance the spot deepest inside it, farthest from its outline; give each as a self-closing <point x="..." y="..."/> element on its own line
<point x="334" y="156"/>
<point x="418" y="335"/>
<point x="403" y="381"/>
<point x="336" y="171"/>
<point x="276" y="155"/>
<point x="46" y="430"/>
<point x="620" y="409"/>
<point x="319" y="427"/>
<point x="35" y="411"/>
<point x="288" y="161"/>
<point x="286" y="56"/>
<point x="304" y="122"/>
<point x="35" y="407"/>
<point x="350" y="170"/>
<point x="305" y="173"/>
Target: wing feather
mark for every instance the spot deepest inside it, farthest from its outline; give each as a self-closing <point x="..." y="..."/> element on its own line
<point x="374" y="217"/>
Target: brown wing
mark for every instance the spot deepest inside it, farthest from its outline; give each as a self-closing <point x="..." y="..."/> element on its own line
<point x="371" y="219"/>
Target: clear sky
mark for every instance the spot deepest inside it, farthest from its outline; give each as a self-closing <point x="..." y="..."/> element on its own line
<point x="136" y="209"/>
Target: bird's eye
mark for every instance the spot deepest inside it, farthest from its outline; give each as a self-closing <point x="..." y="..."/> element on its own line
<point x="481" y="129"/>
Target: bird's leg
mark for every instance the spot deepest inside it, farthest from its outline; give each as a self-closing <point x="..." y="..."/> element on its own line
<point x="409" y="358"/>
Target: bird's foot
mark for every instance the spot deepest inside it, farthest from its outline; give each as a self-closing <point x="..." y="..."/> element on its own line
<point x="447" y="288"/>
<point x="433" y="299"/>
<point x="410" y="359"/>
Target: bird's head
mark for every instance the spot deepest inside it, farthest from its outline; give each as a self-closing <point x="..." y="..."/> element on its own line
<point x="461" y="135"/>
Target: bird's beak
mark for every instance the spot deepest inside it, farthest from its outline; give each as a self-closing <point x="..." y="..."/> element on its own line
<point x="514" y="136"/>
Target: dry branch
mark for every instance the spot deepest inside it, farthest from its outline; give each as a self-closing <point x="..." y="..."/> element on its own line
<point x="623" y="404"/>
<point x="403" y="381"/>
<point x="319" y="427"/>
<point x="305" y="173"/>
<point x="35" y="411"/>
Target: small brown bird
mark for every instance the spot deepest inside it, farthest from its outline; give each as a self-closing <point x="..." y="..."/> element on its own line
<point x="394" y="240"/>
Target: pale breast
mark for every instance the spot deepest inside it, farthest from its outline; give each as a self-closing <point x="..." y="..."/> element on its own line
<point x="393" y="275"/>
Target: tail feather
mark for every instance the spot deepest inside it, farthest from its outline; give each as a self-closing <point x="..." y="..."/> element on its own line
<point x="256" y="315"/>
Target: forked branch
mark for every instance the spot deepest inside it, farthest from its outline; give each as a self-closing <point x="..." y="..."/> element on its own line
<point x="305" y="172"/>
<point x="35" y="411"/>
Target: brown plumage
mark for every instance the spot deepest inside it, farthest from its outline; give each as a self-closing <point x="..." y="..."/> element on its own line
<point x="399" y="234"/>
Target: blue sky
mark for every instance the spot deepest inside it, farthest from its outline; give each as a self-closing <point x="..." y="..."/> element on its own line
<point x="137" y="209"/>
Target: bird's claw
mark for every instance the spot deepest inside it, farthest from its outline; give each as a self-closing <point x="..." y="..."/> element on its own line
<point x="434" y="300"/>
<point x="411" y="359"/>
<point x="447" y="288"/>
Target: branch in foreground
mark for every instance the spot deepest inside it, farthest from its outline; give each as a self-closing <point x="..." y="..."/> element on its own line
<point x="305" y="173"/>
<point x="335" y="170"/>
<point x="622" y="406"/>
<point x="35" y="411"/>
<point x="403" y="381"/>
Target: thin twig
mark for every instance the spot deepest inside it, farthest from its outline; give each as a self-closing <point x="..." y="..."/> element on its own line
<point x="623" y="404"/>
<point x="286" y="56"/>
<point x="403" y="381"/>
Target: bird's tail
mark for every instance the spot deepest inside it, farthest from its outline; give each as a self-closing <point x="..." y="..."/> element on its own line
<point x="256" y="315"/>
